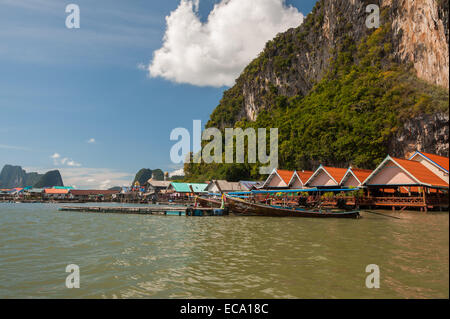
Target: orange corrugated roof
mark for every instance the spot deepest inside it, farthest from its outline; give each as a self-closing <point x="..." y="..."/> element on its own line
<point x="304" y="175"/>
<point x="285" y="175"/>
<point x="440" y="160"/>
<point x="420" y="172"/>
<point x="55" y="191"/>
<point x="335" y="172"/>
<point x="361" y="174"/>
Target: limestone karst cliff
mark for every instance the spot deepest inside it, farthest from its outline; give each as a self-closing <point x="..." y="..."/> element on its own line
<point x="295" y="60"/>
<point x="14" y="176"/>
<point x="341" y="93"/>
<point x="421" y="35"/>
<point x="333" y="78"/>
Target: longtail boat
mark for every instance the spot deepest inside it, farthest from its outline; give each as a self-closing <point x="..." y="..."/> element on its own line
<point x="208" y="202"/>
<point x="241" y="207"/>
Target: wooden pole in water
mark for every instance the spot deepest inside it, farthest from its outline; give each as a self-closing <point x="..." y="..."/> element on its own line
<point x="425" y="199"/>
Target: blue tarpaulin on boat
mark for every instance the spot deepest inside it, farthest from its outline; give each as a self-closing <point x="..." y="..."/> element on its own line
<point x="306" y="190"/>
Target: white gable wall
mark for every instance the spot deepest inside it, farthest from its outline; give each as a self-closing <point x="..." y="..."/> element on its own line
<point x="391" y="174"/>
<point x="351" y="181"/>
<point x="322" y="179"/>
<point x="296" y="184"/>
<point x="276" y="181"/>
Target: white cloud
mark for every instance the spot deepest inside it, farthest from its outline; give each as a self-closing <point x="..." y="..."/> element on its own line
<point x="91" y="140"/>
<point x="142" y="67"/>
<point x="57" y="160"/>
<point x="73" y="163"/>
<point x="106" y="184"/>
<point x="214" y="53"/>
<point x="178" y="172"/>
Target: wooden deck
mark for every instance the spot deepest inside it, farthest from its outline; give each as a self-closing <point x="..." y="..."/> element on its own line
<point x="404" y="202"/>
<point x="148" y="210"/>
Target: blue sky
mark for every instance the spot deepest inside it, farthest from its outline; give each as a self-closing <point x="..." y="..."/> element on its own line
<point x="61" y="87"/>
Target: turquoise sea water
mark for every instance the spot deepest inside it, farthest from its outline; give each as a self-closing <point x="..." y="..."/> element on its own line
<point x="137" y="256"/>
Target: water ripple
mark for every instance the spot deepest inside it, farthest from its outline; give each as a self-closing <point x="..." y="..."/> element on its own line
<point x="138" y="256"/>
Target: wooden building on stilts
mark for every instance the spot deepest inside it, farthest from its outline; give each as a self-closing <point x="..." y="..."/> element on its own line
<point x="401" y="183"/>
<point x="354" y="177"/>
<point x="299" y="179"/>
<point x="278" y="179"/>
<point x="326" y="177"/>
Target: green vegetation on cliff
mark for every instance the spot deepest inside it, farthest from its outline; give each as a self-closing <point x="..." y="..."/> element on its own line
<point x="346" y="118"/>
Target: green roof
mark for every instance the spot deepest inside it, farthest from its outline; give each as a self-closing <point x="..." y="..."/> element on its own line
<point x="184" y="187"/>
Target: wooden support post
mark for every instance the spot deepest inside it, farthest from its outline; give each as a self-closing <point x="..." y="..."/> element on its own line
<point x="424" y="199"/>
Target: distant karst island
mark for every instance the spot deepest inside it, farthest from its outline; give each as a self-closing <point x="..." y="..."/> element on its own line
<point x="15" y="176"/>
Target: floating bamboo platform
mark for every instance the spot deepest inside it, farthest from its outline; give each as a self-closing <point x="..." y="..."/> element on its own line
<point x="149" y="210"/>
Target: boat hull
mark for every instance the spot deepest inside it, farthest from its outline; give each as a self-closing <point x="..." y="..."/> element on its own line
<point x="207" y="202"/>
<point x="240" y="207"/>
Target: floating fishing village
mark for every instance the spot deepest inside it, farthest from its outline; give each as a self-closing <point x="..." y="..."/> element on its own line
<point x="225" y="154"/>
<point x="420" y="183"/>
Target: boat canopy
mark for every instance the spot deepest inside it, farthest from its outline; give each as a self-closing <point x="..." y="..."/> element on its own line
<point x="303" y="190"/>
